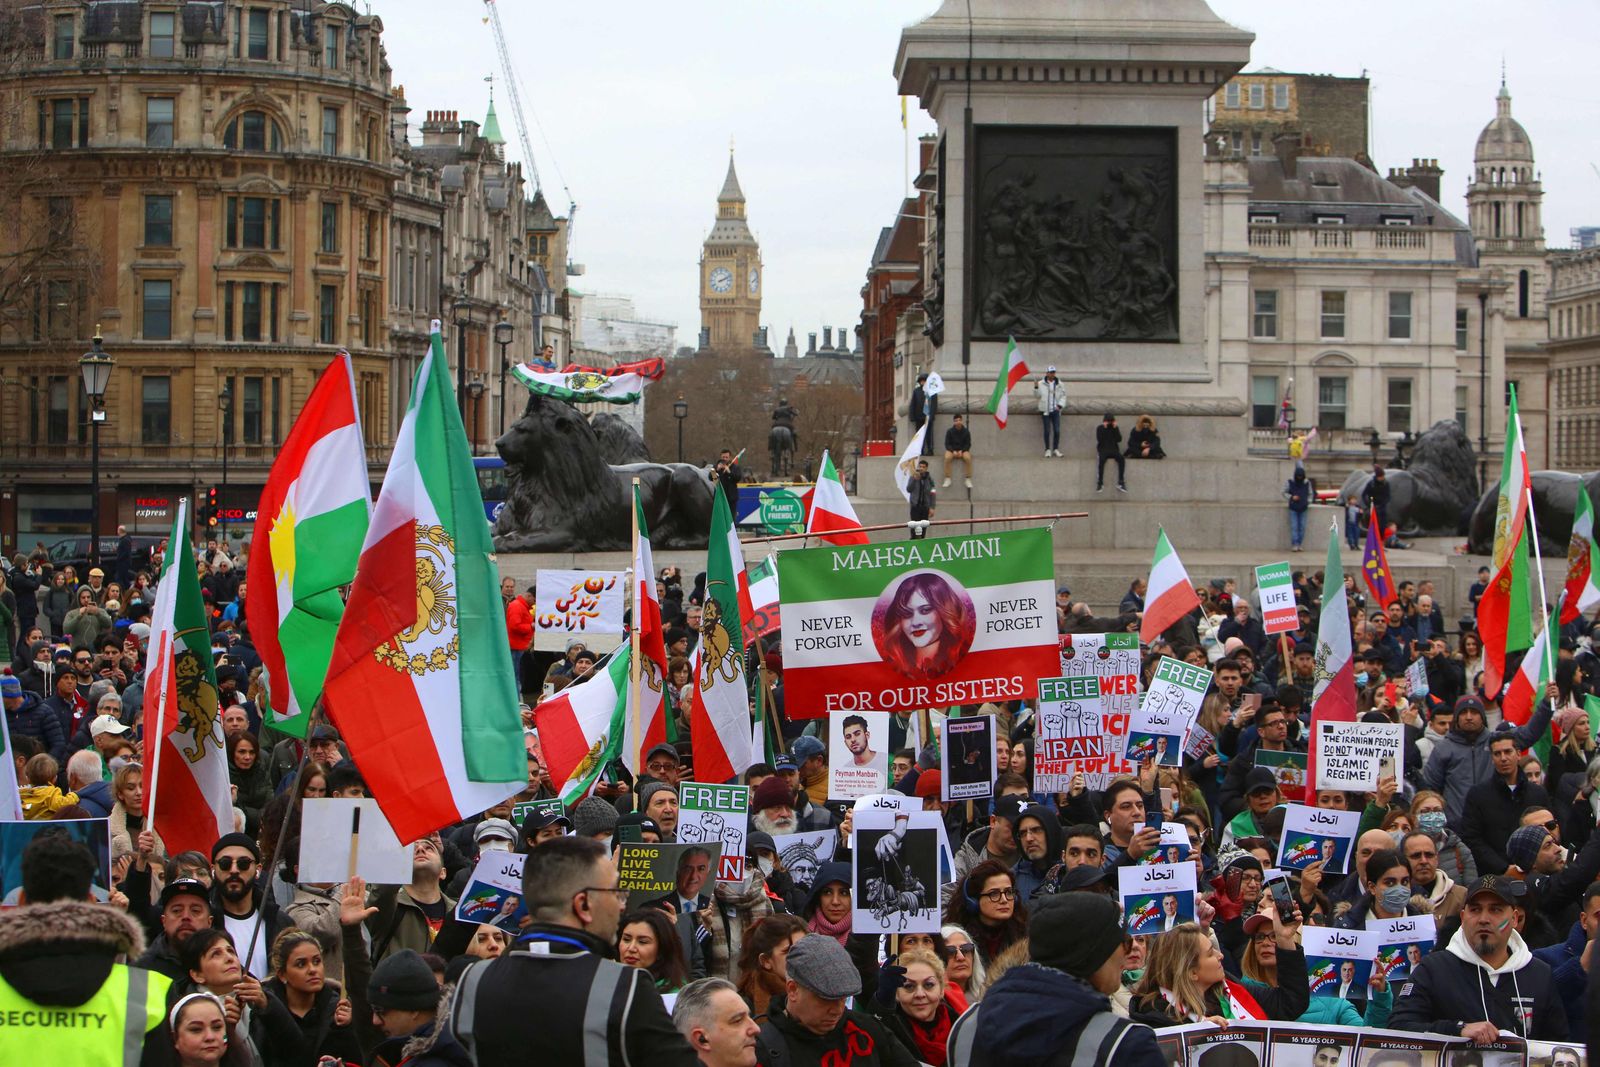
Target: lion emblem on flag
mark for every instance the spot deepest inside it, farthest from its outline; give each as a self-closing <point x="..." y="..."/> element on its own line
<point x="197" y="704"/>
<point x="584" y="381"/>
<point x="436" y="609"/>
<point x="719" y="653"/>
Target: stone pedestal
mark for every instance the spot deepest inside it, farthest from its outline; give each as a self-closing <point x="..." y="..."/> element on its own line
<point x="1070" y="209"/>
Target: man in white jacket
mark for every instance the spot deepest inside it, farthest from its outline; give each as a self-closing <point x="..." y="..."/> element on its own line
<point x="1052" y="394"/>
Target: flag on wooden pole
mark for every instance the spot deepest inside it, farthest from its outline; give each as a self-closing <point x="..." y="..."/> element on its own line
<point x="1505" y="619"/>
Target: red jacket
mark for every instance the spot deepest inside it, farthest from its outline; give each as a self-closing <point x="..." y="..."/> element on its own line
<point x="519" y="624"/>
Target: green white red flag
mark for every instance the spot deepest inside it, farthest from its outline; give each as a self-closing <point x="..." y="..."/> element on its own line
<point x="1169" y="595"/>
<point x="309" y="528"/>
<point x="1526" y="686"/>
<point x="1583" y="562"/>
<point x="1505" y="618"/>
<point x="582" y="386"/>
<point x="582" y="728"/>
<point x="647" y="721"/>
<point x="420" y="682"/>
<point x="831" y="517"/>
<point x="1334" y="697"/>
<point x="188" y="802"/>
<point x="10" y="797"/>
<point x="1013" y="368"/>
<point x="719" y="715"/>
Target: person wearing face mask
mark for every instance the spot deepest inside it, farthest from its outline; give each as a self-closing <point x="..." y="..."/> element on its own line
<point x="1386" y="878"/>
<point x="780" y="885"/>
<point x="1455" y="858"/>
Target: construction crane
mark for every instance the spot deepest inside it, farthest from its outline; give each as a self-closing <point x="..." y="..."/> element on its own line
<point x="513" y="88"/>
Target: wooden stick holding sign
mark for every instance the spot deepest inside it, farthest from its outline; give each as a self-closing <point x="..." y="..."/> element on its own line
<point x="355" y="840"/>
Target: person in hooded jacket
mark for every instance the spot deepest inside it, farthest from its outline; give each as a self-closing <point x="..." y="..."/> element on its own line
<point x="1054" y="1009"/>
<point x="827" y="911"/>
<point x="26" y="716"/>
<point x="1038" y="835"/>
<point x="1461" y="761"/>
<point x="1485" y="979"/>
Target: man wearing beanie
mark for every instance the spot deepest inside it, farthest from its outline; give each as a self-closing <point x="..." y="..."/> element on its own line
<point x="1055" y="1008"/>
<point x="404" y="996"/>
<point x="659" y="801"/>
<point x="236" y="893"/>
<point x="813" y="1026"/>
<point x="595" y="818"/>
<point x="772" y="807"/>
<point x="557" y="996"/>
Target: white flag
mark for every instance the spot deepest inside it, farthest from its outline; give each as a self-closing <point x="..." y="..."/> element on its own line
<point x="907" y="466"/>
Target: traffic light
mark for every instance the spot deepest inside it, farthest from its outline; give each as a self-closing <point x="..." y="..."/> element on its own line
<point x="213" y="508"/>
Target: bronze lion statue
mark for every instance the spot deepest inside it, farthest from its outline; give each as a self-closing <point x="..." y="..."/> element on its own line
<point x="564" y="496"/>
<point x="1433" y="494"/>
<point x="1555" y="501"/>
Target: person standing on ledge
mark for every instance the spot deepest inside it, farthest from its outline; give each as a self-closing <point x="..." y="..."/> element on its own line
<point x="1052" y="395"/>
<point x="958" y="446"/>
<point x="923" y="497"/>
<point x="1108" y="445"/>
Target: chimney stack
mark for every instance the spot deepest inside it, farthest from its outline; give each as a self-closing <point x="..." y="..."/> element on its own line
<point x="827" y="337"/>
<point x="1287" y="146"/>
<point x="811" y="349"/>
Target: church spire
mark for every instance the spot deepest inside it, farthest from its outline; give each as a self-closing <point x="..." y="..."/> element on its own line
<point x="731" y="193"/>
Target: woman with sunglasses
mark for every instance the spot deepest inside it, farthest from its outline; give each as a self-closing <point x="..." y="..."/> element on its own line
<point x="1184" y="982"/>
<point x="985" y="905"/>
<point x="963" y="970"/>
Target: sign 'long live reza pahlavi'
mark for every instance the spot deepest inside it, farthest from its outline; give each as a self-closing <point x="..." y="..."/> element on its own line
<point x="917" y="624"/>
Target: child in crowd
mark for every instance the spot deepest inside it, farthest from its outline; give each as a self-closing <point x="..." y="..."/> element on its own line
<point x="41" y="797"/>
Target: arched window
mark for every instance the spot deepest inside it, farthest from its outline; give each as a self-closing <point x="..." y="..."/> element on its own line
<point x="253" y="131"/>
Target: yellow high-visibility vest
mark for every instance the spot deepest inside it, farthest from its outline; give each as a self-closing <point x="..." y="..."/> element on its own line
<point x="107" y="1030"/>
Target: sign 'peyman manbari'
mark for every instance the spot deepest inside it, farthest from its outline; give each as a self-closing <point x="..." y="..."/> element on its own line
<point x="917" y="624"/>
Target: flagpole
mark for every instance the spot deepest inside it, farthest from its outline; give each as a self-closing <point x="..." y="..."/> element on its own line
<point x="317" y="715"/>
<point x="1538" y="564"/>
<point x="634" y="672"/>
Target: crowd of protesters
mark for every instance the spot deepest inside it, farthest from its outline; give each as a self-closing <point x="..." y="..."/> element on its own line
<point x="228" y="957"/>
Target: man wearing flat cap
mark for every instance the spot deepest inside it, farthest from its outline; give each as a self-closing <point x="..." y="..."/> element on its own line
<point x="814" y="1025"/>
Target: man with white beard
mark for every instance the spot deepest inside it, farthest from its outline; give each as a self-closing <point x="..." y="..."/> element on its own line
<point x="772" y="808"/>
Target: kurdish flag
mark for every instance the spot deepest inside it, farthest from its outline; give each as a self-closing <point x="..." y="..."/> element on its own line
<point x="1013" y="368"/>
<point x="1169" y="595"/>
<point x="907" y="625"/>
<point x="582" y="728"/>
<point x="1334" y="697"/>
<point x="719" y="713"/>
<point x="831" y="517"/>
<point x="310" y="525"/>
<point x="582" y="385"/>
<point x="1504" y="616"/>
<point x="188" y="802"/>
<point x="1583" y="562"/>
<point x="647" y="722"/>
<point x="420" y="680"/>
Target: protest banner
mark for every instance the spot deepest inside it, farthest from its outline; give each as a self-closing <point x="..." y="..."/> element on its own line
<point x="1112" y="658"/>
<point x="1557" y="1054"/>
<point x="1158" y="729"/>
<point x="95" y="834"/>
<point x="1354" y="755"/>
<point x="521" y="809"/>
<point x="326" y="838"/>
<point x="1339" y="962"/>
<point x="801" y="854"/>
<point x="494" y="892"/>
<point x="1275" y="587"/>
<point x="1402" y="943"/>
<point x="1417" y="678"/>
<point x="713" y="813"/>
<point x="1293" y="1044"/>
<point x="896" y="872"/>
<point x="655" y="873"/>
<point x="1395" y="1048"/>
<point x="858" y="754"/>
<point x="1200" y="742"/>
<point x="1288" y="769"/>
<point x="1312" y="835"/>
<point x="1156" y="897"/>
<point x="1174" y="847"/>
<point x="586" y="604"/>
<point x="902" y="625"/>
<point x="1311" y="1048"/>
<point x="966" y="758"/>
<point x="1242" y="1044"/>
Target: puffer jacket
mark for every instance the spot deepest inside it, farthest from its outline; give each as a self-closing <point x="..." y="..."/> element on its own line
<point x="1459" y="762"/>
<point x="33" y="719"/>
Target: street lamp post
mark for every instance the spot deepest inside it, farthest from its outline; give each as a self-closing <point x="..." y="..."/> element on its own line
<point x="95" y="366"/>
<point x="225" y="402"/>
<point x="503" y="332"/>
<point x="680" y="411"/>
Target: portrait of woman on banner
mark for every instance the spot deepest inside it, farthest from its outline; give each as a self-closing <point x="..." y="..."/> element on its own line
<point x="923" y="626"/>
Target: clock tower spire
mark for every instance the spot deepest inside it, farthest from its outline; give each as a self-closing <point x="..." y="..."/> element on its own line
<point x="730" y="273"/>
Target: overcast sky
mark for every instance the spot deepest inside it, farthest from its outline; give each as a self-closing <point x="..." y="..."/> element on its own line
<point x="632" y="105"/>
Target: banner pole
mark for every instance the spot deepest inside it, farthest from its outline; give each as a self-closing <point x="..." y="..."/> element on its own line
<point x="1538" y="566"/>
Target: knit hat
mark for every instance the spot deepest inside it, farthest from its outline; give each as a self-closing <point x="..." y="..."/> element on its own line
<point x="1566" y="720"/>
<point x="823" y="967"/>
<point x="772" y="793"/>
<point x="1074" y="932"/>
<point x="244" y="841"/>
<point x="1522" y="847"/>
<point x="403" y="982"/>
<point x="928" y="784"/>
<point x="1236" y="857"/>
<point x="1468" y="701"/>
<point x="650" y="789"/>
<point x="10" y="687"/>
<point x="806" y="746"/>
<point x="594" y="816"/>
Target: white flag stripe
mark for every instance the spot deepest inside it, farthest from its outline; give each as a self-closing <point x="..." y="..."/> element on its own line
<point x="339" y="463"/>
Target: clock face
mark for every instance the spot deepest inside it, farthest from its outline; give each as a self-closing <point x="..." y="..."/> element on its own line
<point x="755" y="280"/>
<point x="721" y="280"/>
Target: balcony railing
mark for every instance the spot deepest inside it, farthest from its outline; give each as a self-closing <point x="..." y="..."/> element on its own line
<point x="1352" y="242"/>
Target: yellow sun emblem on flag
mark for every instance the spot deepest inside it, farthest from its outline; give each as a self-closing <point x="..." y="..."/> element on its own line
<point x="436" y="609"/>
<point x="280" y="539"/>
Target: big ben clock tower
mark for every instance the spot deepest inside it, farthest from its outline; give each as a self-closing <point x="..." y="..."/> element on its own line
<point x="730" y="273"/>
